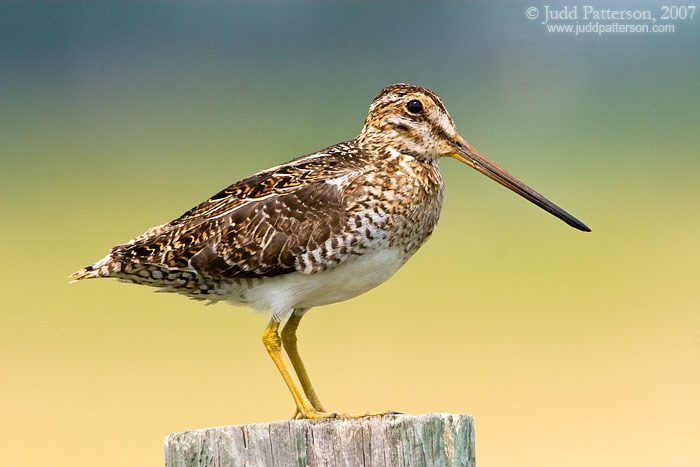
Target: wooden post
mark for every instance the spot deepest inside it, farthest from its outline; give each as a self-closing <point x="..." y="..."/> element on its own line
<point x="392" y="440"/>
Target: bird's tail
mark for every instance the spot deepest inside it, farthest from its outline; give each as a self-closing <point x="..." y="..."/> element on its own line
<point x="102" y="268"/>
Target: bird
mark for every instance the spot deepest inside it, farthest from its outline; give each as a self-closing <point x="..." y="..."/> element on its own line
<point x="320" y="229"/>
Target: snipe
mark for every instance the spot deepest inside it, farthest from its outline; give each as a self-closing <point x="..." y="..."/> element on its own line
<point x="320" y="229"/>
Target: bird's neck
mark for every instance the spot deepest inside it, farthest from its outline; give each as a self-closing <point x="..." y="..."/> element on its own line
<point x="392" y="147"/>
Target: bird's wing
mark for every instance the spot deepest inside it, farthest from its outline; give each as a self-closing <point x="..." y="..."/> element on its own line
<point x="277" y="235"/>
<point x="289" y="218"/>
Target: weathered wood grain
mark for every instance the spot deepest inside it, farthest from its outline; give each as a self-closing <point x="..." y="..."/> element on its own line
<point x="392" y="440"/>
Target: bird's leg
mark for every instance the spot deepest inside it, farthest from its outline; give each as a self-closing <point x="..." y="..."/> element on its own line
<point x="289" y="341"/>
<point x="273" y="344"/>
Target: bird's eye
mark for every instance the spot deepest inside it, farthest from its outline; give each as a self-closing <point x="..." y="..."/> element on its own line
<point x="414" y="106"/>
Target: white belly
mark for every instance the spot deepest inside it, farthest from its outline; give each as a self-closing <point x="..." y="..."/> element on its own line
<point x="280" y="295"/>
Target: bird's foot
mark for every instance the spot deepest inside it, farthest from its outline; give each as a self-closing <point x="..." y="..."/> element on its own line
<point x="314" y="414"/>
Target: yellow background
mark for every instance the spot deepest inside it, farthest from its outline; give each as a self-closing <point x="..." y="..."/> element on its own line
<point x="569" y="348"/>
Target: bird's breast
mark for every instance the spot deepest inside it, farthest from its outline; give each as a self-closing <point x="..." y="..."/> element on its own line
<point x="402" y="203"/>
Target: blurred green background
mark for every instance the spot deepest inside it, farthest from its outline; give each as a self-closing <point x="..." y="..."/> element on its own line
<point x="569" y="348"/>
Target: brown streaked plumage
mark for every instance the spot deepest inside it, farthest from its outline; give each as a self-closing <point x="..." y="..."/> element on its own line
<point x="320" y="229"/>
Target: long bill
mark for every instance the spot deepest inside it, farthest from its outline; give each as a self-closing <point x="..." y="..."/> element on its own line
<point x="465" y="153"/>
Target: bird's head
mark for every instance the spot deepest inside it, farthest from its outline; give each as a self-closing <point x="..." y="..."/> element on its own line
<point x="413" y="121"/>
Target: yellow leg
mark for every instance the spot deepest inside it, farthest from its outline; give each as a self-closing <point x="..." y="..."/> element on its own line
<point x="289" y="341"/>
<point x="273" y="345"/>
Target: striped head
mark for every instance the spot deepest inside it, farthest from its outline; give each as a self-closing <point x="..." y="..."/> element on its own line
<point x="412" y="121"/>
